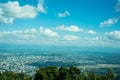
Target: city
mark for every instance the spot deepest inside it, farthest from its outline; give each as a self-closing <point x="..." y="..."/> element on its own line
<point x="28" y="63"/>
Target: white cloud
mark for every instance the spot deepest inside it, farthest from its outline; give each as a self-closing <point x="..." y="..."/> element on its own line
<point x="115" y="35"/>
<point x="8" y="20"/>
<point x="66" y="13"/>
<point x="93" y="39"/>
<point x="1" y="11"/>
<point x="30" y="31"/>
<point x="1" y="34"/>
<point x="29" y="36"/>
<point x="117" y="7"/>
<point x="47" y="36"/>
<point x="6" y="32"/>
<point x="108" y="22"/>
<point x="48" y="32"/>
<point x="11" y="10"/>
<point x="17" y="32"/>
<point x="91" y="32"/>
<point x="70" y="37"/>
<point x="41" y="7"/>
<point x="71" y="28"/>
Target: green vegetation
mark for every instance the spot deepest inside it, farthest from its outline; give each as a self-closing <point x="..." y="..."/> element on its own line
<point x="8" y="75"/>
<point x="73" y="73"/>
<point x="55" y="73"/>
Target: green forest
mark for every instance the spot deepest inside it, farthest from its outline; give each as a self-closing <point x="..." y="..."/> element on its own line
<point x="55" y="73"/>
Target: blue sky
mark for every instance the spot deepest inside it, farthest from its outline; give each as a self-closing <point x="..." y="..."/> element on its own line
<point x="60" y="22"/>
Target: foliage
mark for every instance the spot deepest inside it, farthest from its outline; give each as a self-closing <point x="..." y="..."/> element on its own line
<point x="8" y="75"/>
<point x="55" y="73"/>
<point x="73" y="73"/>
<point x="48" y="73"/>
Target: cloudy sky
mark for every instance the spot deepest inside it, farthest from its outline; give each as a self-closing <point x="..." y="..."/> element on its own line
<point x="60" y="22"/>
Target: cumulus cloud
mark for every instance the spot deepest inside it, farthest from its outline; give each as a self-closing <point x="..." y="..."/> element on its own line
<point x="93" y="39"/>
<point x="71" y="28"/>
<point x="70" y="37"/>
<point x="66" y="13"/>
<point x="117" y="7"/>
<point x="48" y="32"/>
<point x="115" y="35"/>
<point x="28" y="34"/>
<point x="8" y="20"/>
<point x="19" y="34"/>
<point x="47" y="36"/>
<point x="11" y="10"/>
<point x="30" y="31"/>
<point x="108" y="22"/>
<point x="40" y="6"/>
<point x="91" y="32"/>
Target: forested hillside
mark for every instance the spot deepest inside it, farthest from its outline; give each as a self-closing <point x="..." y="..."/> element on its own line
<point x="55" y="73"/>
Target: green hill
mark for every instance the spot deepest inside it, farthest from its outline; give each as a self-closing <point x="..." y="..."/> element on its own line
<point x="55" y="73"/>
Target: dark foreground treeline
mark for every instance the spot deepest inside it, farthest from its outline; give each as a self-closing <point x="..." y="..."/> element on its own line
<point x="55" y="73"/>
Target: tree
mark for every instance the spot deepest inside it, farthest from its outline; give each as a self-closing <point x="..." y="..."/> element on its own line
<point x="8" y="75"/>
<point x="63" y="73"/>
<point x="111" y="74"/>
<point x="40" y="74"/>
<point x="48" y="73"/>
<point x="74" y="73"/>
<point x="52" y="72"/>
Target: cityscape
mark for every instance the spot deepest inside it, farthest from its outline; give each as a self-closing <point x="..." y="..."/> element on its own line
<point x="59" y="39"/>
<point x="29" y="60"/>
